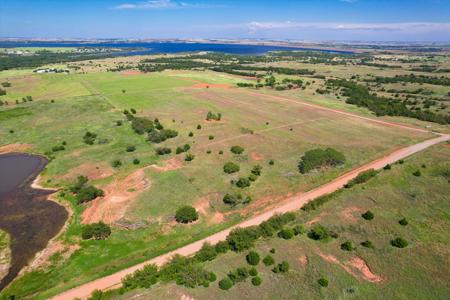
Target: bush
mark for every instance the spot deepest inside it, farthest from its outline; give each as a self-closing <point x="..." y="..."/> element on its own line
<point x="275" y="223"/>
<point x="191" y="134"/>
<point x="361" y="178"/>
<point x="222" y="247"/>
<point x="89" y="138"/>
<point x="323" y="282"/>
<point x="140" y="125"/>
<point x="256" y="281"/>
<point x="116" y="163"/>
<point x="281" y="268"/>
<point x="243" y="182"/>
<point x="211" y="137"/>
<point x="131" y="148"/>
<point x="206" y="253"/>
<point x="88" y="193"/>
<point x="237" y="149"/>
<point x="241" y="239"/>
<point x="368" y="215"/>
<point x="163" y="150"/>
<point x="317" y="158"/>
<point x="136" y="161"/>
<point x="367" y="244"/>
<point x="417" y="173"/>
<point x="253" y="258"/>
<point x="253" y="272"/>
<point x="348" y="246"/>
<point x="225" y="284"/>
<point x="142" y="278"/>
<point x="199" y="127"/>
<point x="299" y="229"/>
<point x="286" y="233"/>
<point x="271" y="162"/>
<point x="182" y="149"/>
<point x="162" y="135"/>
<point x="98" y="231"/>
<point x="399" y="242"/>
<point x="319" y="232"/>
<point x="403" y="222"/>
<point x="79" y="184"/>
<point x="186" y="214"/>
<point x="387" y="167"/>
<point x="236" y="199"/>
<point x="256" y="170"/>
<point x="230" y="168"/>
<point x="314" y="204"/>
<point x="189" y="157"/>
<point x="268" y="260"/>
<point x="272" y="250"/>
<point x="238" y="275"/>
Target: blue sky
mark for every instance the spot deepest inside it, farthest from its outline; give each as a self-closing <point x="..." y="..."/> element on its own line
<point x="316" y="20"/>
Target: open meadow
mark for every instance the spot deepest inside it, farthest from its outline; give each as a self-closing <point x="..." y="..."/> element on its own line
<point x="83" y="121"/>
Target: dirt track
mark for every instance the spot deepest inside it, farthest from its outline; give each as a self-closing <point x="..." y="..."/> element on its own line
<point x="292" y="204"/>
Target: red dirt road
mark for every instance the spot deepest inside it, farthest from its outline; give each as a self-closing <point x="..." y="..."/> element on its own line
<point x="291" y="204"/>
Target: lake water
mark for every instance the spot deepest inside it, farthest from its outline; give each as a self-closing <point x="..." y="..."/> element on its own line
<point x="165" y="47"/>
<point x="25" y="213"/>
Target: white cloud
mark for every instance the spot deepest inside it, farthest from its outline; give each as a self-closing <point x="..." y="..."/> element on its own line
<point x="417" y="26"/>
<point x="160" y="4"/>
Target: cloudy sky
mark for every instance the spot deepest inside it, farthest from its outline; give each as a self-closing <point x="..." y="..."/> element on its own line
<point x="316" y="20"/>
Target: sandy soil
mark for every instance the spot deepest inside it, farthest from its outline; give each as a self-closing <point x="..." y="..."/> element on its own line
<point x="303" y="260"/>
<point x="169" y="165"/>
<point x="256" y="156"/>
<point x="294" y="203"/>
<point x="91" y="171"/>
<point x="14" y="148"/>
<point x="364" y="269"/>
<point x="118" y="196"/>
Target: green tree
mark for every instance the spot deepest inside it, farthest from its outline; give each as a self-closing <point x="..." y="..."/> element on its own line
<point x="253" y="258"/>
<point x="186" y="214"/>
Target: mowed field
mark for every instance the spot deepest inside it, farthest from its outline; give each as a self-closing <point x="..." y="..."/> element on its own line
<point x="267" y="128"/>
<point x="419" y="271"/>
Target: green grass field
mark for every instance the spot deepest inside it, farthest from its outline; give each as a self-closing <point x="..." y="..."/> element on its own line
<point x="282" y="131"/>
<point x="419" y="271"/>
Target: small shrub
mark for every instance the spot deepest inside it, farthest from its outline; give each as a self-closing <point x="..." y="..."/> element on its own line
<point x="243" y="182"/>
<point x="241" y="239"/>
<point x="283" y="267"/>
<point x="186" y="214"/>
<point x="191" y="134"/>
<point x="222" y="247"/>
<point x="417" y="173"/>
<point x="89" y="138"/>
<point x="387" y="167"/>
<point x="230" y="168"/>
<point x="221" y="152"/>
<point x="399" y="242"/>
<point x="253" y="271"/>
<point x="199" y="127"/>
<point x="253" y="258"/>
<point x="361" y="178"/>
<point x="206" y="253"/>
<point x="237" y="150"/>
<point x="189" y="157"/>
<point x="271" y="162"/>
<point x="299" y="229"/>
<point x="211" y="137"/>
<point x="286" y="233"/>
<point x="256" y="281"/>
<point x="367" y="244"/>
<point x="272" y="250"/>
<point x="323" y="282"/>
<point x="136" y="161"/>
<point x="268" y="260"/>
<point x="119" y="123"/>
<point x="225" y="284"/>
<point x="116" y="163"/>
<point x="401" y="161"/>
<point x="319" y="232"/>
<point x="403" y="222"/>
<point x="368" y="215"/>
<point x="131" y="148"/>
<point x="348" y="246"/>
<point x="98" y="231"/>
<point x="163" y="150"/>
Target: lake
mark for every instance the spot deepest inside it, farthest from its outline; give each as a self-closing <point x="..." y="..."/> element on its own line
<point x="25" y="213"/>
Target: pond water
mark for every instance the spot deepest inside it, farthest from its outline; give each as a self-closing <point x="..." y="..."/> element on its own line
<point x="25" y="213"/>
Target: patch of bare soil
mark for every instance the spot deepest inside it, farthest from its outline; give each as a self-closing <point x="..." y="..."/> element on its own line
<point x="316" y="219"/>
<point x="256" y="156"/>
<point x="91" y="171"/>
<point x="303" y="259"/>
<point x="202" y="85"/>
<point x="169" y="165"/>
<point x="14" y="148"/>
<point x="349" y="213"/>
<point x="356" y="263"/>
<point x="130" y="72"/>
<point x="118" y="196"/>
<point x="202" y="205"/>
<point x="186" y="297"/>
<point x="359" y="264"/>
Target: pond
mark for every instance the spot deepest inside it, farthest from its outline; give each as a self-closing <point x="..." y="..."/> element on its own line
<point x="25" y="213"/>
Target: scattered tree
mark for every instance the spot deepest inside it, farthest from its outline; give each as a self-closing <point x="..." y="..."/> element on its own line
<point x="186" y="214"/>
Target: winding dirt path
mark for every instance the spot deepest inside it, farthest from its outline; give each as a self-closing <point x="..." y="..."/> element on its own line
<point x="292" y="204"/>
